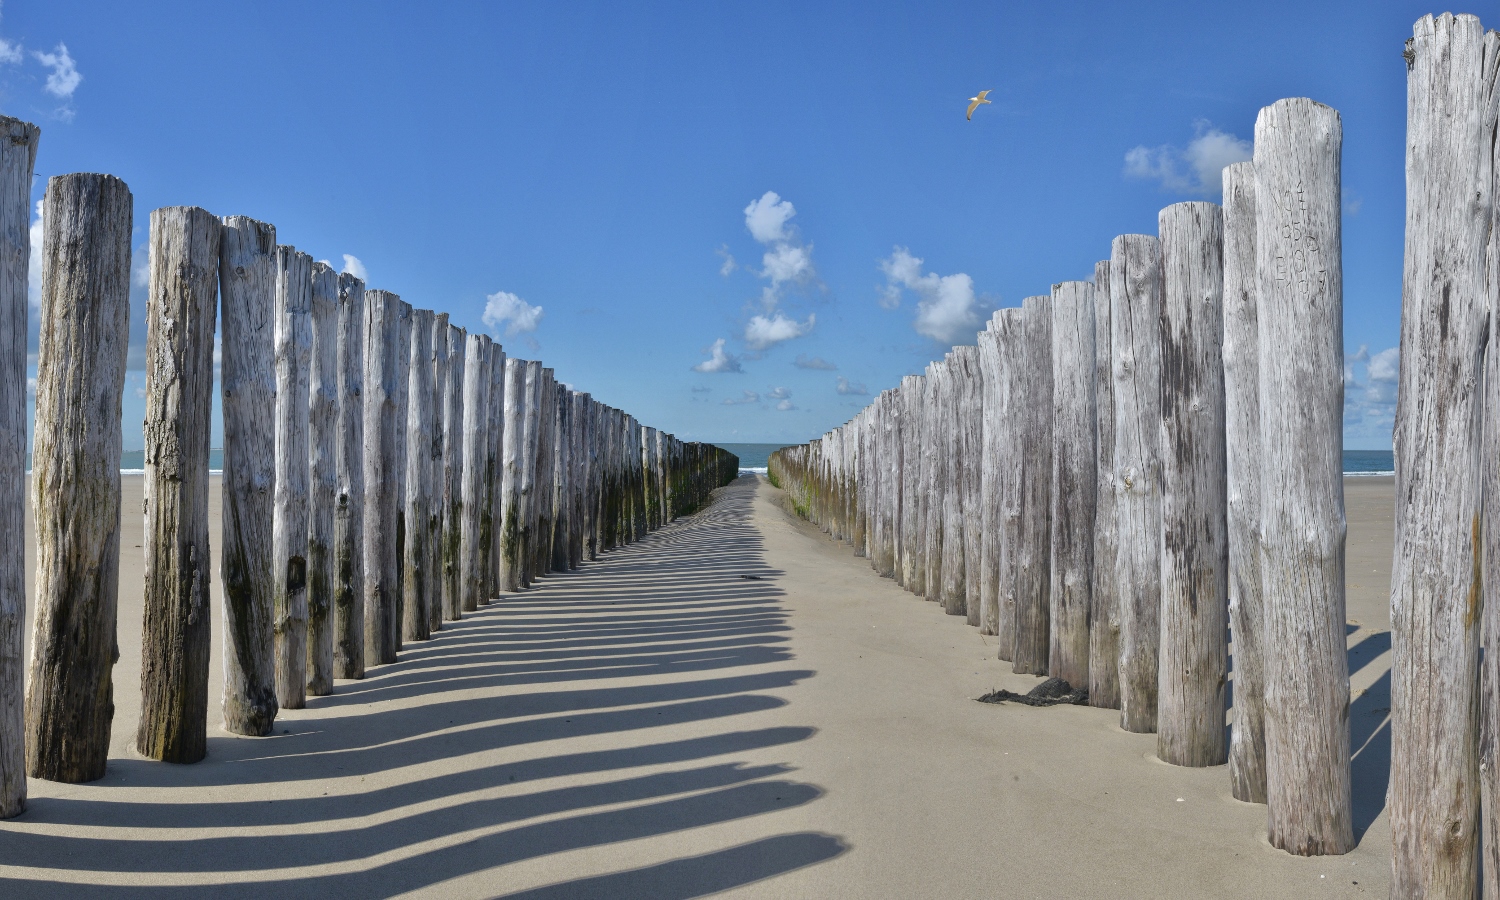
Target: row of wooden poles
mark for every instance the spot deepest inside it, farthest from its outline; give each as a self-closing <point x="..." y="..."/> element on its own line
<point x="1125" y="473"/>
<point x="384" y="472"/>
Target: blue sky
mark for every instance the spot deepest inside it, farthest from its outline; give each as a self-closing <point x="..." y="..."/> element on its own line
<point x="795" y="181"/>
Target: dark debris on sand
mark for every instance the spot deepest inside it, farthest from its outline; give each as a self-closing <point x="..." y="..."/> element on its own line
<point x="1052" y="692"/>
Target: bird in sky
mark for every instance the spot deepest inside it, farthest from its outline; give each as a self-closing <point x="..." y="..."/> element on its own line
<point x="974" y="104"/>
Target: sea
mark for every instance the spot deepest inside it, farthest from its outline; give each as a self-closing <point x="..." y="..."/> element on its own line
<point x="755" y="457"/>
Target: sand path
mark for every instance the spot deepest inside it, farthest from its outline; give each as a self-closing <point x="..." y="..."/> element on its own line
<point x="658" y="725"/>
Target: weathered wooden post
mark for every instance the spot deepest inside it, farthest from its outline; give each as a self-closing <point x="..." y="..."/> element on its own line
<point x="1104" y="615"/>
<point x="562" y="463"/>
<point x="888" y="509"/>
<point x="489" y="524"/>
<point x="416" y="575"/>
<point x="970" y="522"/>
<point x="911" y="480"/>
<point x="541" y="503"/>
<point x="181" y="310"/>
<point x="1194" y="663"/>
<point x="1135" y="337"/>
<point x="439" y="477"/>
<point x="531" y="422"/>
<point x="1000" y="348"/>
<point x="348" y="516"/>
<point x="323" y="480"/>
<point x="511" y="523"/>
<point x="1033" y="552"/>
<point x="934" y="439"/>
<point x="382" y="328"/>
<point x="1243" y="458"/>
<point x="453" y="475"/>
<point x="476" y="407"/>
<point x="954" y="596"/>
<point x="247" y="321"/>
<point x="1299" y="253"/>
<point x="17" y="160"/>
<point x="1075" y="479"/>
<point x="85" y="310"/>
<point x="289" y="529"/>
<point x="401" y="402"/>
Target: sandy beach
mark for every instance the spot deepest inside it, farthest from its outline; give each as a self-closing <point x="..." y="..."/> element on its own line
<point x="736" y="704"/>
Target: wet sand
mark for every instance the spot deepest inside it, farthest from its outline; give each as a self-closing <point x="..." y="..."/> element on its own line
<point x="658" y="725"/>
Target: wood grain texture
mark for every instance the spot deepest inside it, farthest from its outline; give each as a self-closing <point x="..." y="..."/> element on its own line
<point x="1135" y="336"/>
<point x="530" y="418"/>
<point x="401" y="404"/>
<point x="911" y="467"/>
<point x="182" y="309"/>
<point x="17" y="162"/>
<point x="382" y="328"/>
<point x="322" y="477"/>
<point x="1074" y="480"/>
<point x="511" y="524"/>
<point x="990" y="477"/>
<point x="475" y="429"/>
<point x="1436" y="588"/>
<point x="971" y="421"/>
<point x="453" y="475"/>
<point x="1299" y="248"/>
<point x="1104" y="617"/>
<point x="934" y="477"/>
<point x="954" y="596"/>
<point x="1247" y="733"/>
<point x="247" y="383"/>
<point x="416" y="571"/>
<point x="1034" y="554"/>
<point x="490" y="519"/>
<point x="349" y="516"/>
<point x="289" y="528"/>
<point x="85" y="309"/>
<point x="439" y="496"/>
<point x="1193" y="670"/>
<point x="1011" y="404"/>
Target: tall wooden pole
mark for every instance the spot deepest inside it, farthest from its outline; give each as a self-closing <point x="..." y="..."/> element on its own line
<point x="1194" y="665"/>
<point x="530" y="417"/>
<point x="476" y="407"/>
<point x="934" y="473"/>
<point x="382" y="328"/>
<point x="323" y="477"/>
<point x="561" y="465"/>
<point x="911" y="480"/>
<point x="489" y="524"/>
<point x="1104" y="615"/>
<point x="181" y="310"/>
<point x="1010" y="407"/>
<point x="348" y="516"/>
<point x="1135" y="336"/>
<point x="416" y="575"/>
<point x="401" y="403"/>
<point x="1075" y="479"/>
<point x="293" y="338"/>
<point x="437" y="517"/>
<point x="18" y="142"/>
<point x="453" y="475"/>
<point x="85" y="311"/>
<point x="511" y="524"/>
<point x="1243" y="456"/>
<point x="1299" y="251"/>
<point x="247" y="314"/>
<point x="1033" y="553"/>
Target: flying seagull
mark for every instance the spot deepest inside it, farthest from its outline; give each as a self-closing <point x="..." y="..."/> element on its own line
<point x="974" y="104"/>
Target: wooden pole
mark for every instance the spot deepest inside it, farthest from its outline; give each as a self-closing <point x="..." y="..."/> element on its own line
<point x="453" y="475"/>
<point x="416" y="574"/>
<point x="323" y="478"/>
<point x="888" y="510"/>
<point x="1135" y="339"/>
<point x="476" y="407"/>
<point x="382" y="328"/>
<point x="934" y="476"/>
<point x="1299" y="279"/>
<point x="1194" y="663"/>
<point x="17" y="160"/>
<point x="85" y="311"/>
<point x="911" y="480"/>
<point x="1033" y="552"/>
<point x="1104" y="615"/>
<point x="561" y="463"/>
<point x="247" y="313"/>
<point x="1075" y="479"/>
<point x="181" y="310"/>
<point x="970" y="424"/>
<point x="1243" y="456"/>
<point x="954" y="596"/>
<point x="349" y="516"/>
<point x="401" y="403"/>
<point x="530" y="416"/>
<point x="490" y="521"/>
<point x="439" y="473"/>
<point x="289" y="529"/>
<point x="511" y="457"/>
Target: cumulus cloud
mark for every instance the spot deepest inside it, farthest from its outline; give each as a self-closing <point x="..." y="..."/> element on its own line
<point x="34" y="264"/>
<point x="1385" y="366"/>
<point x="64" y="79"/>
<point x="354" y="267"/>
<point x="845" y="386"/>
<point x="505" y="308"/>
<point x="1370" y="402"/>
<point x="1196" y="169"/>
<point x="10" y="52"/>
<point x="140" y="266"/>
<point x="766" y="218"/>
<point x="804" y="361"/>
<point x="785" y="406"/>
<point x="786" y="260"/>
<point x="947" y="309"/>
<point x="719" y="360"/>
<point x="750" y="397"/>
<point x="766" y="331"/>
<point x="779" y="393"/>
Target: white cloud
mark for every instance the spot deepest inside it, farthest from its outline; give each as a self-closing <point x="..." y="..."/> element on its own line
<point x="729" y="264"/>
<point x="803" y="361"/>
<point x="10" y="52"/>
<point x="719" y="360"/>
<point x="785" y="406"/>
<point x="750" y="397"/>
<point x="763" y="331"/>
<point x="1370" y="405"/>
<point x="1385" y="366"/>
<point x="779" y="393"/>
<point x="1197" y="169"/>
<point x="505" y="308"/>
<point x="140" y="266"/>
<point x="845" y="386"/>
<point x="354" y="267"/>
<point x="947" y="309"/>
<point x="786" y="262"/>
<point x="34" y="264"/>
<point x="766" y="218"/>
<point x="30" y="386"/>
<point x="64" y="78"/>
